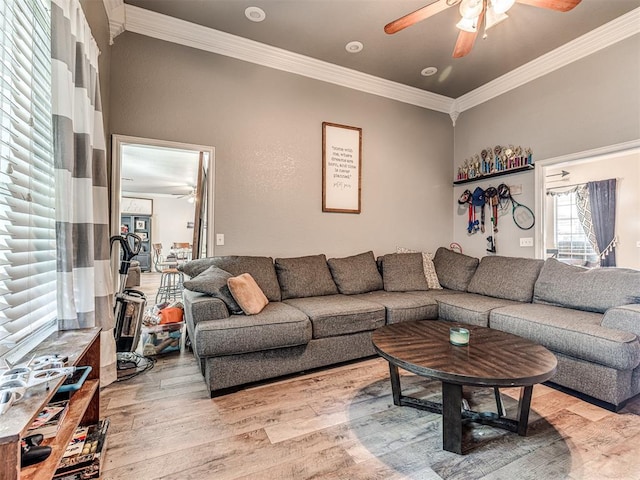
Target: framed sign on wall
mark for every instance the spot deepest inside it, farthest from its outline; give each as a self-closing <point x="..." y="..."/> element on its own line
<point x="341" y="168"/>
<point x="140" y="206"/>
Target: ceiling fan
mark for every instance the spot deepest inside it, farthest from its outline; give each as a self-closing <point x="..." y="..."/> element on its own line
<point x="474" y="13"/>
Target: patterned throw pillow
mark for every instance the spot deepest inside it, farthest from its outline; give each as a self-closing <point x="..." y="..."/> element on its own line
<point x="427" y="265"/>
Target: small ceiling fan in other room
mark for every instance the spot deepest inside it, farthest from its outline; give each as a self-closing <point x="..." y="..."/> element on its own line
<point x="474" y="13"/>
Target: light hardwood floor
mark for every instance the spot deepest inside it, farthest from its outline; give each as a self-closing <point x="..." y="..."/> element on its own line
<point x="340" y="423"/>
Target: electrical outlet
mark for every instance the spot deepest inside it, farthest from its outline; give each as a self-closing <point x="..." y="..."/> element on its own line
<point x="515" y="189"/>
<point x="219" y="238"/>
<point x="526" y="242"/>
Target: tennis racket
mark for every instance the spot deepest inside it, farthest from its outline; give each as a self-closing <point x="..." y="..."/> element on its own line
<point x="522" y="215"/>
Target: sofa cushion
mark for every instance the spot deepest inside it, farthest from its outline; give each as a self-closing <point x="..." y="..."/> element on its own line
<point x="402" y="272"/>
<point x="469" y="308"/>
<point x="575" y="333"/>
<point x="305" y="277"/>
<point x="339" y="314"/>
<point x="355" y="274"/>
<point x="260" y="268"/>
<point x="247" y="293"/>
<point x="454" y="269"/>
<point x="427" y="265"/>
<point x="506" y="277"/>
<point x="277" y="325"/>
<point x="404" y="306"/>
<point x="593" y="290"/>
<point x="213" y="281"/>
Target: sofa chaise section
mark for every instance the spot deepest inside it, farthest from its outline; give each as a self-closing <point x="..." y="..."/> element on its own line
<point x="320" y="312"/>
<point x="584" y="317"/>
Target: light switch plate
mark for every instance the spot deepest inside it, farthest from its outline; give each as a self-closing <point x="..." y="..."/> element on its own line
<point x="526" y="242"/>
<point x="219" y="238"/>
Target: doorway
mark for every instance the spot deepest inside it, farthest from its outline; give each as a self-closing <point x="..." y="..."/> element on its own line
<point x="557" y="178"/>
<point x="163" y="192"/>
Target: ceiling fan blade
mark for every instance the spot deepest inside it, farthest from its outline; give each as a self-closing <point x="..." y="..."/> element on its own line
<point x="415" y="17"/>
<point x="465" y="41"/>
<point x="558" y="5"/>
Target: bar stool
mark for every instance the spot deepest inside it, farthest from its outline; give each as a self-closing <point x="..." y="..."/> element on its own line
<point x="170" y="286"/>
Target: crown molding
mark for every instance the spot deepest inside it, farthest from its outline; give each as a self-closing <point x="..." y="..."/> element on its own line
<point x="615" y="31"/>
<point x="170" y="29"/>
<point x="116" y="14"/>
<point x="163" y="27"/>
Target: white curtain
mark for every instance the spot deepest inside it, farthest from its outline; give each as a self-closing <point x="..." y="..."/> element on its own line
<point x="85" y="286"/>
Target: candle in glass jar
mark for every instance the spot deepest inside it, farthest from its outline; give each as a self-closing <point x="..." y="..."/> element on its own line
<point x="459" y="336"/>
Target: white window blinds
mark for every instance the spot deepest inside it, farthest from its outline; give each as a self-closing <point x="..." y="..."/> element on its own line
<point x="27" y="201"/>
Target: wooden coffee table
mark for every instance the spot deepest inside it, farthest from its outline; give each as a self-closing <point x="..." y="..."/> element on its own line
<point x="492" y="359"/>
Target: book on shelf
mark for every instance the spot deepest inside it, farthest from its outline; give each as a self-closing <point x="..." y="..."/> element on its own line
<point x="49" y="419"/>
<point x="82" y="459"/>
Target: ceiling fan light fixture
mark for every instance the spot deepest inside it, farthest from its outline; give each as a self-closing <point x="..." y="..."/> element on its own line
<point x="493" y="18"/>
<point x="471" y="9"/>
<point x="502" y="6"/>
<point x="468" y="24"/>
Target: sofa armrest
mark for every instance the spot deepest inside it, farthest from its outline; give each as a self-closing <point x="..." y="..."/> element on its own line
<point x="199" y="307"/>
<point x="625" y="318"/>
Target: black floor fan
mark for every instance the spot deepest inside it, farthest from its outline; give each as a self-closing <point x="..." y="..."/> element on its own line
<point x="129" y="307"/>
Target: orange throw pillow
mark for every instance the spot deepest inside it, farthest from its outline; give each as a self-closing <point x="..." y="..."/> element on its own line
<point x="247" y="293"/>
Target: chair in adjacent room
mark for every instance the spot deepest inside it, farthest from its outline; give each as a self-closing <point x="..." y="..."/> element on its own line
<point x="159" y="261"/>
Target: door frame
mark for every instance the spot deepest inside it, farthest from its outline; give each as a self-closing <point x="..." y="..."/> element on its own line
<point x="115" y="191"/>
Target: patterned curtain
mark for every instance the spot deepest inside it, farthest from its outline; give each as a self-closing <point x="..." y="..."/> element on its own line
<point x="85" y="286"/>
<point x="584" y="215"/>
<point x="602" y="198"/>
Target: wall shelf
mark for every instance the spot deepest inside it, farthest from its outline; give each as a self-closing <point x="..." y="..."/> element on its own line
<point x="526" y="168"/>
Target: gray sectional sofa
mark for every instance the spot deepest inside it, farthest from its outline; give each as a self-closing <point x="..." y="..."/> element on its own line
<point x="322" y="312"/>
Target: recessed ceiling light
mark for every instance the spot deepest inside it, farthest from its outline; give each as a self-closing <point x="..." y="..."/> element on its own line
<point x="354" y="47"/>
<point x="427" y="72"/>
<point x="255" y="14"/>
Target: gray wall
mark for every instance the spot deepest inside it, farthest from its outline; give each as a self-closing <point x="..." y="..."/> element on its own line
<point x="266" y="127"/>
<point x="591" y="103"/>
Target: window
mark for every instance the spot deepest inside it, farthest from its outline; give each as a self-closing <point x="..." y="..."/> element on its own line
<point x="27" y="201"/>
<point x="571" y="242"/>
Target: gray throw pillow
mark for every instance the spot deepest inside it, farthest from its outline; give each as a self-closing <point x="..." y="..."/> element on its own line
<point x="356" y="274"/>
<point x="454" y="269"/>
<point x="304" y="277"/>
<point x="213" y="281"/>
<point x="403" y="272"/>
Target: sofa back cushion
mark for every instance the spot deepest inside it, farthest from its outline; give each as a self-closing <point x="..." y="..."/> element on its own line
<point x="304" y="277"/>
<point x="454" y="269"/>
<point x="510" y="278"/>
<point x="403" y="272"/>
<point x="260" y="268"/>
<point x="356" y="274"/>
<point x="593" y="290"/>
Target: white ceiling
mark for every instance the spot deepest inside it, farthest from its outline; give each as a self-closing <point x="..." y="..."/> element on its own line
<point x="158" y="170"/>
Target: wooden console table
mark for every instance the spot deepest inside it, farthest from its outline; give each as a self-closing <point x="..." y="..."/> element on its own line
<point x="83" y="348"/>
